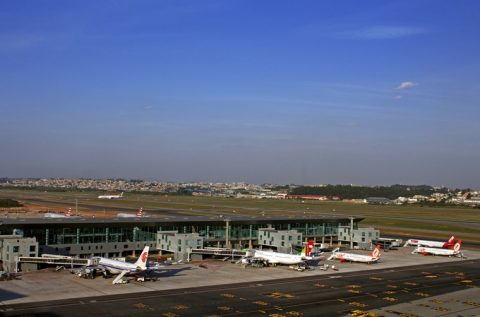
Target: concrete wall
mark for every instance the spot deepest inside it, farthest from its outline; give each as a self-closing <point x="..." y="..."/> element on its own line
<point x="110" y="249"/>
<point x="361" y="237"/>
<point x="12" y="247"/>
<point x="178" y="243"/>
<point x="282" y="240"/>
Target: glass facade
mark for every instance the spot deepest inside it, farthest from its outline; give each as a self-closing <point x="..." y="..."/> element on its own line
<point x="110" y="231"/>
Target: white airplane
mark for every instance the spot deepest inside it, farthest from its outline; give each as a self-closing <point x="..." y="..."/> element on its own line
<point x="432" y="244"/>
<point x="68" y="214"/>
<point x="455" y="251"/>
<point x="121" y="268"/>
<point x="111" y="196"/>
<point x="352" y="257"/>
<point x="275" y="258"/>
<point x="139" y="214"/>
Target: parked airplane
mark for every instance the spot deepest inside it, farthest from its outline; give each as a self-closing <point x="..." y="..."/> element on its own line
<point x="275" y="258"/>
<point x="433" y="244"/>
<point x="68" y="214"/>
<point x="121" y="268"/>
<point x="139" y="214"/>
<point x="455" y="251"/>
<point x="352" y="257"/>
<point x="111" y="196"/>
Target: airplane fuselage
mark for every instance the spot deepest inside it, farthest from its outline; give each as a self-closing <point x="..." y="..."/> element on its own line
<point x="426" y="243"/>
<point x="355" y="257"/>
<point x="280" y="258"/>
<point x="116" y="267"/>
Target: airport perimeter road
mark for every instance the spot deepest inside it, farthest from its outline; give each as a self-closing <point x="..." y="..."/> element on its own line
<point x="326" y="295"/>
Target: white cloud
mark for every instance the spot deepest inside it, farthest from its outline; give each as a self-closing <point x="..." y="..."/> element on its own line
<point x="397" y="97"/>
<point x="407" y="85"/>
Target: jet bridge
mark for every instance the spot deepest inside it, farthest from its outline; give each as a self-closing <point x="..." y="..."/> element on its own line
<point x="225" y="252"/>
<point x="55" y="260"/>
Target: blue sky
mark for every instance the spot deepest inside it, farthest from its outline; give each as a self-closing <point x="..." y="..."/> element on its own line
<point x="309" y="92"/>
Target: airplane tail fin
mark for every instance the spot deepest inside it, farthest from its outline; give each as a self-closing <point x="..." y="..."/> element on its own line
<point x="376" y="252"/>
<point x="121" y="194"/>
<point x="142" y="259"/>
<point x="457" y="246"/>
<point x="139" y="212"/>
<point x="69" y="212"/>
<point x="450" y="242"/>
<point x="307" y="249"/>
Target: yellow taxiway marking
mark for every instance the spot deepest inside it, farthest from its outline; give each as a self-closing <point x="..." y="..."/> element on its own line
<point x="294" y="313"/>
<point x="442" y="309"/>
<point x="320" y="285"/>
<point x="390" y="299"/>
<point x="401" y="314"/>
<point x="376" y="278"/>
<point x="261" y="303"/>
<point x="277" y="315"/>
<point x="392" y="286"/>
<point x="466" y="281"/>
<point x="169" y="314"/>
<point x="226" y="295"/>
<point x="422" y="294"/>
<point x="357" y="304"/>
<point x="362" y="313"/>
<point x="354" y="291"/>
<point x="224" y="308"/>
<point x="353" y="286"/>
<point x="437" y="301"/>
<point x="280" y="295"/>
<point x="431" y="276"/>
<point x="180" y="306"/>
<point x="411" y="283"/>
<point x="140" y="306"/>
<point x="472" y="303"/>
<point x="390" y="292"/>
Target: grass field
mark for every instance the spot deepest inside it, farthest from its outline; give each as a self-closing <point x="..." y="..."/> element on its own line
<point x="410" y="219"/>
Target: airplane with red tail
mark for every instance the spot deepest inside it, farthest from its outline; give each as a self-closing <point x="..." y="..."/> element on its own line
<point x="353" y="257"/>
<point x="432" y="244"/>
<point x="453" y="251"/>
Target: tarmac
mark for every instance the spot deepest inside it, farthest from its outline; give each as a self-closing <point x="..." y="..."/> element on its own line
<point x="48" y="285"/>
<point x="357" y="293"/>
<point x="460" y="303"/>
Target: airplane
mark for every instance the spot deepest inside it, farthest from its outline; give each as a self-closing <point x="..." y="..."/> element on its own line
<point x="121" y="268"/>
<point x="455" y="251"/>
<point x="111" y="196"/>
<point x="139" y="214"/>
<point x="275" y="258"/>
<point x="68" y="214"/>
<point x="352" y="257"/>
<point x="432" y="244"/>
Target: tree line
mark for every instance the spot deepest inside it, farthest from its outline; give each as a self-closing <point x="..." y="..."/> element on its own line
<point x="362" y="192"/>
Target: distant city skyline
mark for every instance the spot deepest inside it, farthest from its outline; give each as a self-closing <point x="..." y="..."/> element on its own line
<point x="310" y="92"/>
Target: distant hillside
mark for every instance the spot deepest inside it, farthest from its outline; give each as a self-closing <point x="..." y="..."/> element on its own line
<point x="360" y="192"/>
<point x="8" y="203"/>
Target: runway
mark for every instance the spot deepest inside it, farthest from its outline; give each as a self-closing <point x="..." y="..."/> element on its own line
<point x="324" y="295"/>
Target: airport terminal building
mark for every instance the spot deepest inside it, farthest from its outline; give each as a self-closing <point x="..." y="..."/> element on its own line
<point x="118" y="237"/>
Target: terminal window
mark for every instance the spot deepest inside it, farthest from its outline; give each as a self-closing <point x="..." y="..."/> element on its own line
<point x="16" y="248"/>
<point x="32" y="248"/>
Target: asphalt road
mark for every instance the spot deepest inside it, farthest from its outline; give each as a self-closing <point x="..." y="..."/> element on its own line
<point x="325" y="295"/>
